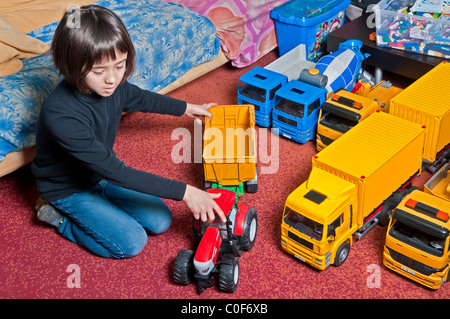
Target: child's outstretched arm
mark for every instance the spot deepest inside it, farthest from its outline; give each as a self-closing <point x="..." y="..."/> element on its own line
<point x="198" y="111"/>
<point x="202" y="204"/>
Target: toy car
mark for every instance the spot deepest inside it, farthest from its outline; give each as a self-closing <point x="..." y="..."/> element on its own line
<point x="218" y="246"/>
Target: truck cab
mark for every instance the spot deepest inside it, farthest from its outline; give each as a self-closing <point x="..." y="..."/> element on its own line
<point x="343" y="110"/>
<point x="417" y="239"/>
<point x="297" y="105"/>
<point x="258" y="87"/>
<point x="318" y="229"/>
<point x="296" y="110"/>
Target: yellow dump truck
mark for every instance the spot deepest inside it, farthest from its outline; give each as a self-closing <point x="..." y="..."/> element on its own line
<point x="417" y="240"/>
<point x="353" y="185"/>
<point x="229" y="148"/>
<point x="344" y="110"/>
<point x="426" y="102"/>
<point x="439" y="184"/>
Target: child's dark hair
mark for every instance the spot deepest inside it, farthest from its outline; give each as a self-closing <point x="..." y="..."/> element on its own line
<point x="96" y="36"/>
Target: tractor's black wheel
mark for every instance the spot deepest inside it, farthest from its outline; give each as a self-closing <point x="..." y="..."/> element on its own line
<point x="248" y="238"/>
<point x="183" y="270"/>
<point x="229" y="273"/>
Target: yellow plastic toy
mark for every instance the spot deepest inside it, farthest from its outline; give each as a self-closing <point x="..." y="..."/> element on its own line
<point x="417" y="240"/>
<point x="353" y="185"/>
<point x="346" y="109"/>
<point x="229" y="148"/>
<point x="439" y="184"/>
<point x="426" y="102"/>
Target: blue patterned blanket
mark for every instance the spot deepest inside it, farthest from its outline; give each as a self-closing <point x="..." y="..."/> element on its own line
<point x="169" y="39"/>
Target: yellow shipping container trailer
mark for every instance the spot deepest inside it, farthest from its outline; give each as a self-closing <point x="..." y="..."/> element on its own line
<point x="427" y="102"/>
<point x="354" y="183"/>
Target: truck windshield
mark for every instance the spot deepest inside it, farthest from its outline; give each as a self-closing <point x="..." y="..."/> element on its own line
<point x="303" y="224"/>
<point x="417" y="238"/>
<point x="337" y="123"/>
<point x="252" y="92"/>
<point x="291" y="107"/>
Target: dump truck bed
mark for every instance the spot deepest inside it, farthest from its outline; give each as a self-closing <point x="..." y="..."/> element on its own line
<point x="439" y="184"/>
<point x="229" y="148"/>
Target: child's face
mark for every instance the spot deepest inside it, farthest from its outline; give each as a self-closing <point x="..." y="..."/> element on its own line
<point x="105" y="76"/>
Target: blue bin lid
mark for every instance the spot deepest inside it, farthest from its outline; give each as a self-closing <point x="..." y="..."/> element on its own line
<point x="308" y="12"/>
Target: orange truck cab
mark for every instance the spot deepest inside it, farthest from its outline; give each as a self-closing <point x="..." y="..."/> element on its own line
<point x="344" y="109"/>
<point x="417" y="240"/>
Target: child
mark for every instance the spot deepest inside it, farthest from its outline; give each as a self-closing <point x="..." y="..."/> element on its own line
<point x="102" y="204"/>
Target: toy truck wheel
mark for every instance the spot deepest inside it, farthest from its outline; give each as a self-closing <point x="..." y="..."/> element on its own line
<point x="392" y="203"/>
<point x="183" y="271"/>
<point x="248" y="238"/>
<point x="229" y="273"/>
<point x="342" y="254"/>
<point x="251" y="186"/>
<point x="207" y="185"/>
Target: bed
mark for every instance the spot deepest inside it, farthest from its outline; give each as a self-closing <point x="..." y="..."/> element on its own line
<point x="183" y="40"/>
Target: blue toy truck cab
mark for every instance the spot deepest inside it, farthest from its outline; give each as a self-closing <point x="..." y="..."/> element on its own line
<point x="258" y="87"/>
<point x="296" y="110"/>
<point x="298" y="103"/>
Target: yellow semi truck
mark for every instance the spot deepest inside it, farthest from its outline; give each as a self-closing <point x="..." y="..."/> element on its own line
<point x="426" y="102"/>
<point x="417" y="239"/>
<point x="354" y="184"/>
<point x="229" y="149"/>
<point x="344" y="110"/>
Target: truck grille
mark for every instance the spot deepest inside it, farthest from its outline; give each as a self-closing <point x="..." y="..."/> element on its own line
<point x="301" y="241"/>
<point x="254" y="104"/>
<point x="287" y="121"/>
<point x="325" y="140"/>
<point x="411" y="263"/>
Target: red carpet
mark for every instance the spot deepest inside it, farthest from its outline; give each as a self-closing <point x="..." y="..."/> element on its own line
<point x="37" y="263"/>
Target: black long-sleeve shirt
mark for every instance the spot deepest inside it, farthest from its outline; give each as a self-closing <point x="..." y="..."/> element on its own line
<point x="75" y="138"/>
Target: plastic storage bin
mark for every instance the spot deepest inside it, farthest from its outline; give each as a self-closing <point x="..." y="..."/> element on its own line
<point x="307" y="22"/>
<point x="400" y="27"/>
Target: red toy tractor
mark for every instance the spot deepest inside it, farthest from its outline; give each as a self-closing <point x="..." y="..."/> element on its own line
<point x="218" y="246"/>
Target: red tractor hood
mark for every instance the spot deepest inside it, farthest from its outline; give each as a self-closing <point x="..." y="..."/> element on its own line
<point x="226" y="199"/>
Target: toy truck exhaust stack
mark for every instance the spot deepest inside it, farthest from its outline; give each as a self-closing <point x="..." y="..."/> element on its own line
<point x="297" y="104"/>
<point x="353" y="185"/>
<point x="417" y="240"/>
<point x="426" y="101"/>
<point x="345" y="109"/>
<point x="229" y="149"/>
<point x="218" y="246"/>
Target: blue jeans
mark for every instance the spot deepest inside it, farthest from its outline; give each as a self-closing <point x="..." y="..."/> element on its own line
<point x="112" y="221"/>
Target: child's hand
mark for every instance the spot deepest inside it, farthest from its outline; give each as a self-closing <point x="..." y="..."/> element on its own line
<point x="202" y="204"/>
<point x="198" y="111"/>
